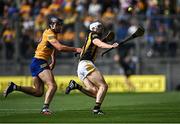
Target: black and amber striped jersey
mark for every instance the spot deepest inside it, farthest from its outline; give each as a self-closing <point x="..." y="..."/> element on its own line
<point x="89" y="50"/>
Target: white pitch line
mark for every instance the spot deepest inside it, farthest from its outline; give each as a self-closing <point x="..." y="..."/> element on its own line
<point x="26" y="110"/>
<point x="20" y="110"/>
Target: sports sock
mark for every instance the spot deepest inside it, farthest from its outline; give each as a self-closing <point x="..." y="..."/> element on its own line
<point x="45" y="106"/>
<point x="97" y="106"/>
<point x="17" y="87"/>
<point x="75" y="85"/>
<point x="79" y="87"/>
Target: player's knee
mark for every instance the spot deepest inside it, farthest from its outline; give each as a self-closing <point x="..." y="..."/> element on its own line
<point x="104" y="87"/>
<point x="93" y="89"/>
<point x="39" y="93"/>
<point x="52" y="86"/>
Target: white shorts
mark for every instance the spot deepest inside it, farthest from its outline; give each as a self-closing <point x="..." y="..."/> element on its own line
<point x="85" y="67"/>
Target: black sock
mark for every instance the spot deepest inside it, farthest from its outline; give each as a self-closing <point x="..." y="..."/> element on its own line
<point x="97" y="106"/>
<point x="17" y="88"/>
<point x="45" y="106"/>
<point x="79" y="87"/>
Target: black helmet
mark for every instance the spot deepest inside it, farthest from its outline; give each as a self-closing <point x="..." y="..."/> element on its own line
<point x="53" y="21"/>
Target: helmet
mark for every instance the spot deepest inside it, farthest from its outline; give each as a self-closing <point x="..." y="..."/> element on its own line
<point x="96" y="27"/>
<point x="55" y="24"/>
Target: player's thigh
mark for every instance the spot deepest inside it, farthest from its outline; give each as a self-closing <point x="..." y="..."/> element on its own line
<point x="97" y="78"/>
<point x="47" y="77"/>
<point x="38" y="84"/>
<point x="89" y="85"/>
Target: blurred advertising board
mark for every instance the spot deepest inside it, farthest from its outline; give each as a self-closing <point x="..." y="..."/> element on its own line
<point x="116" y="83"/>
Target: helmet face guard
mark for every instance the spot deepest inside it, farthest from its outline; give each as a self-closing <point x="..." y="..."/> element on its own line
<point x="96" y="27"/>
<point x="58" y="28"/>
<point x="100" y="29"/>
<point x="55" y="24"/>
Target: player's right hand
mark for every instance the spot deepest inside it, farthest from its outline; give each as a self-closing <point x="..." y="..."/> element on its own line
<point x="78" y="50"/>
<point x="115" y="45"/>
<point x="51" y="66"/>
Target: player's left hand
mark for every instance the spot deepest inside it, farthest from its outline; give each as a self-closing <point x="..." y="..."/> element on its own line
<point x="78" y="50"/>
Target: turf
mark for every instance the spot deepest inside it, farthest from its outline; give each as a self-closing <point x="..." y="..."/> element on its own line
<point x="118" y="107"/>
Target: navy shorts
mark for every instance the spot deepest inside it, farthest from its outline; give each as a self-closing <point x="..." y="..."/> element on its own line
<point x="37" y="66"/>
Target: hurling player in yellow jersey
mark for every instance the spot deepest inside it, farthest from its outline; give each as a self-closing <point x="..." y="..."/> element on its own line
<point x="95" y="85"/>
<point x="40" y="69"/>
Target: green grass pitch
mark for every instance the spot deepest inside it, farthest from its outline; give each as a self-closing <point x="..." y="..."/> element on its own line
<point x="118" y="108"/>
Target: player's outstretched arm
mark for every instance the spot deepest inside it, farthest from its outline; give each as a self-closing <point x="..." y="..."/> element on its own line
<point x="64" y="48"/>
<point x="101" y="44"/>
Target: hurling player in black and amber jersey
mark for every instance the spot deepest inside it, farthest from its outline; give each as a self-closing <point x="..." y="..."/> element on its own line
<point x="95" y="85"/>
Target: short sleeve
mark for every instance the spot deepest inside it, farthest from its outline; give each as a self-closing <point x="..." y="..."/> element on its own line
<point x="51" y="37"/>
<point x="94" y="35"/>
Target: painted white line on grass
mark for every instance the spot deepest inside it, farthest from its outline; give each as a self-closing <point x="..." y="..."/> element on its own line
<point x="12" y="111"/>
<point x="20" y="110"/>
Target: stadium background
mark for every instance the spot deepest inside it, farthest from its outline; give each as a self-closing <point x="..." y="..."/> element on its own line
<point x="156" y="53"/>
<point x="156" y="60"/>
